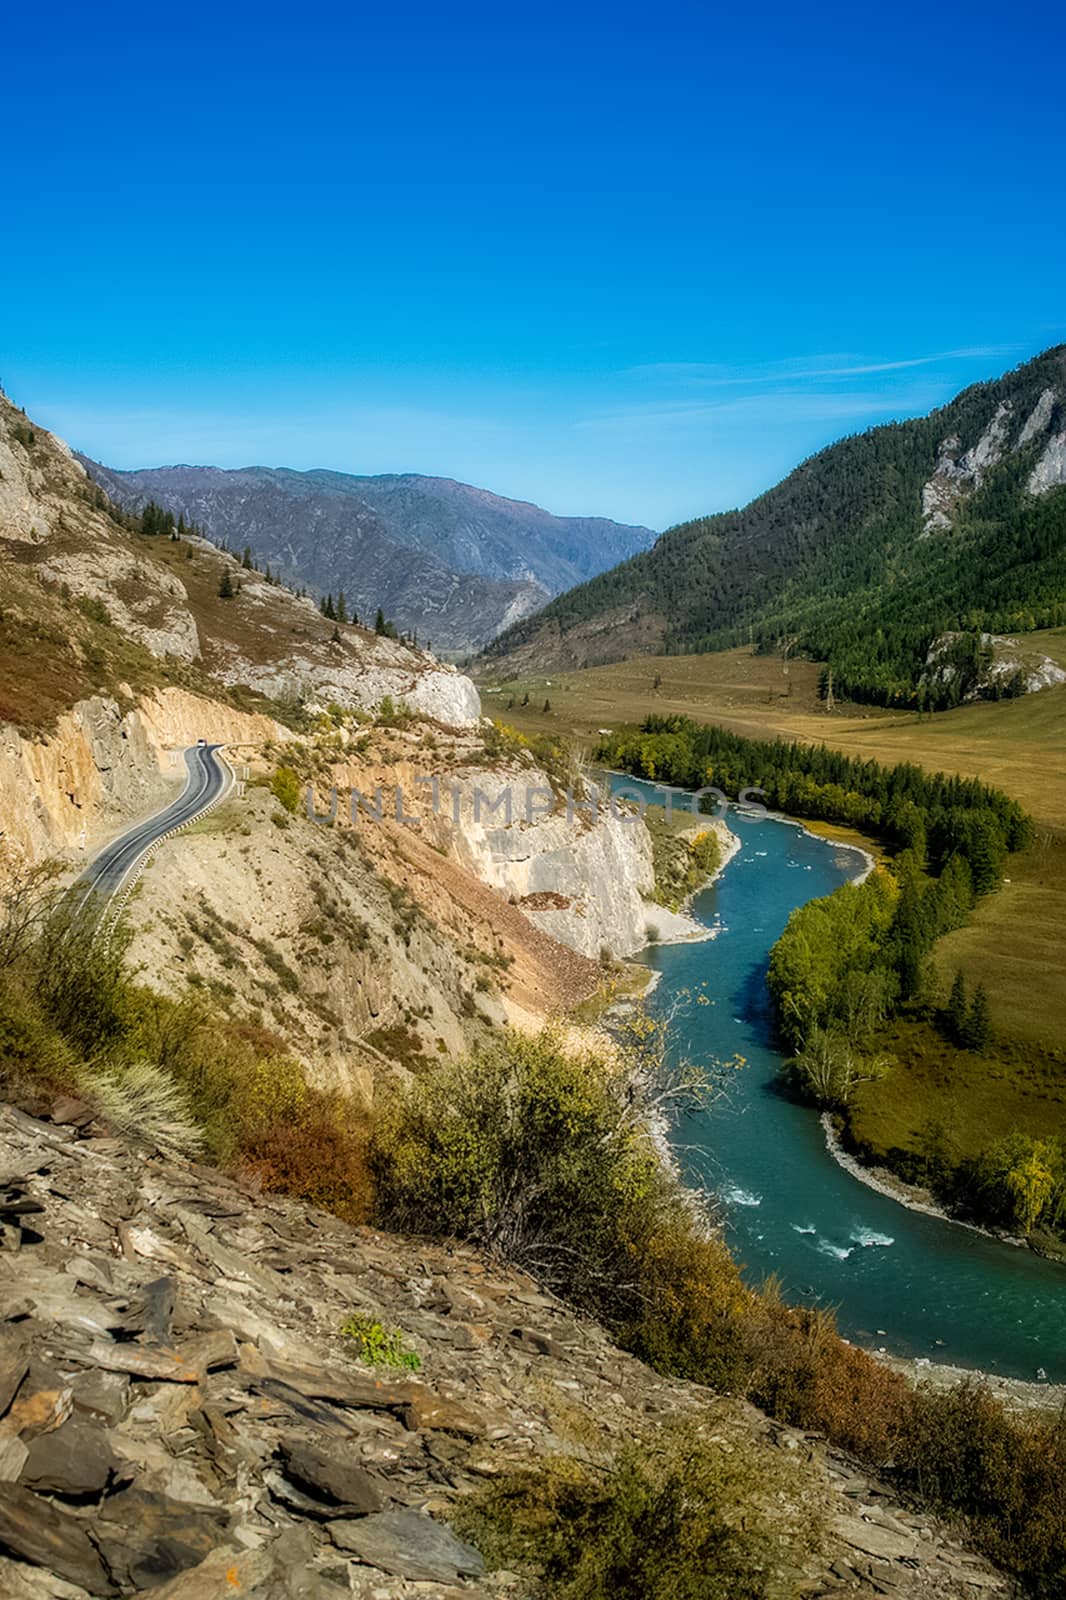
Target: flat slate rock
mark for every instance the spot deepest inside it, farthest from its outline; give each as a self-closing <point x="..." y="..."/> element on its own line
<point x="408" y="1544"/>
<point x="102" y="1394"/>
<point x="188" y="1363"/>
<point x="226" y="1571"/>
<point x="874" y="1540"/>
<point x="152" y="1312"/>
<point x="147" y="1539"/>
<point x="335" y="1476"/>
<point x="75" y="1459"/>
<point x="14" y="1363"/>
<point x="50" y="1536"/>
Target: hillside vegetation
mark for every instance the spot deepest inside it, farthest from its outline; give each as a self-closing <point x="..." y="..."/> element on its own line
<point x="537" y="1151"/>
<point x="95" y="599"/>
<point x="862" y="557"/>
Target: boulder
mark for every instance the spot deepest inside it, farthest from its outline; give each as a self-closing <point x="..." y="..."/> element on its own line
<point x="49" y="1536"/>
<point x="334" y="1475"/>
<point x="410" y="1545"/>
<point x="75" y="1459"/>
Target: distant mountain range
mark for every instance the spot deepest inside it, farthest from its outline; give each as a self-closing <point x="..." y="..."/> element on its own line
<point x="453" y="563"/>
<point x="893" y="555"/>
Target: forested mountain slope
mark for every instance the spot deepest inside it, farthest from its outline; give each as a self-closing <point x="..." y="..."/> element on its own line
<point x="864" y="556"/>
<point x="447" y="561"/>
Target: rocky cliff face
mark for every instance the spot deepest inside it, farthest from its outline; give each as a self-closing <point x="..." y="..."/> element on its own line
<point x="182" y="1415"/>
<point x="961" y="472"/>
<point x="584" y="873"/>
<point x="1006" y="667"/>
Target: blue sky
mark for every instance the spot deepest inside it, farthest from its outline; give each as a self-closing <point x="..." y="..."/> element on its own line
<point x="628" y="260"/>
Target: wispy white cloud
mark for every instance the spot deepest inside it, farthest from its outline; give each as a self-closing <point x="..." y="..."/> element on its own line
<point x="769" y="409"/>
<point x="798" y="370"/>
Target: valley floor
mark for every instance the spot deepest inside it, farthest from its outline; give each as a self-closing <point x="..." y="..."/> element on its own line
<point x="1015" y="942"/>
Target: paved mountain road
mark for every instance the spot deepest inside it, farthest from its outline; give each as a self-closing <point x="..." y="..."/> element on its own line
<point x="209" y="780"/>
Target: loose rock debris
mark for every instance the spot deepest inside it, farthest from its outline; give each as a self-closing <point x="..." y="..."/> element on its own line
<point x="180" y="1415"/>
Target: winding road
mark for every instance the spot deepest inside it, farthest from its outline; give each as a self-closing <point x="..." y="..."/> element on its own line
<point x="208" y="779"/>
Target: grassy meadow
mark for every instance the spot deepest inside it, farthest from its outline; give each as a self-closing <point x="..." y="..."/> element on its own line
<point x="1015" y="942"/>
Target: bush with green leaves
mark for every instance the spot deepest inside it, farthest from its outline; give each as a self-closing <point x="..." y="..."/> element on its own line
<point x="285" y="787"/>
<point x="540" y="1151"/>
<point x="677" y="1516"/>
<point x="380" y="1346"/>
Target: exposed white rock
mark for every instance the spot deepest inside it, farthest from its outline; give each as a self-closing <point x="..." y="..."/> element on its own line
<point x="363" y="682"/>
<point x="1050" y="470"/>
<point x="1007" y="658"/>
<point x="523" y="605"/>
<point x="1038" y="419"/>
<point x="152" y="607"/>
<point x="22" y="516"/>
<point x="957" y="475"/>
<point x="990" y="447"/>
<point x="584" y="877"/>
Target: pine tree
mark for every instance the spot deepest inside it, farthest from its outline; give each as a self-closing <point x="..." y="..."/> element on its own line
<point x="329" y="610"/>
<point x="977" y="1031"/>
<point x="342" y="607"/>
<point x="225" y="588"/>
<point x="379" y="621"/>
<point x="957" y="1009"/>
<point x="246" y="558"/>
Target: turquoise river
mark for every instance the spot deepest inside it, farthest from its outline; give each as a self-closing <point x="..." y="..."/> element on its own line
<point x="912" y="1283"/>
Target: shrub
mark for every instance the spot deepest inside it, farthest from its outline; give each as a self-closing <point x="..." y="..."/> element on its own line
<point x="540" y="1153"/>
<point x="176" y="1073"/>
<point x="142" y="1102"/>
<point x="93" y="608"/>
<point x="320" y="1157"/>
<point x="526" y="1149"/>
<point x="804" y="1374"/>
<point x="689" y="1314"/>
<point x="285" y="787"/>
<point x="379" y="1346"/>
<point x="675" y="1517"/>
<point x="80" y="982"/>
<point x="1006" y="1473"/>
